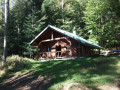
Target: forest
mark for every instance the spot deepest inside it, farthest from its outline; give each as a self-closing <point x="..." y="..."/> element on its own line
<point x="95" y="20"/>
<point x="21" y="21"/>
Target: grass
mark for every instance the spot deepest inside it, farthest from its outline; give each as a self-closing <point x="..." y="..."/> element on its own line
<point x="91" y="72"/>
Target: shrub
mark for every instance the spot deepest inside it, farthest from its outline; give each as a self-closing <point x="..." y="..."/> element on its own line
<point x="16" y="63"/>
<point x="13" y="64"/>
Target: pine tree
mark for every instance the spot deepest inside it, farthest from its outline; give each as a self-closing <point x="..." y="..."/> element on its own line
<point x="32" y="27"/>
<point x="101" y="21"/>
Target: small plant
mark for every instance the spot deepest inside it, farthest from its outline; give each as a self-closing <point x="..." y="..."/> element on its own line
<point x="14" y="63"/>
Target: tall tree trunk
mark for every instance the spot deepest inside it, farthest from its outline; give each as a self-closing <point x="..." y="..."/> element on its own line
<point x="2" y="12"/>
<point x="2" y="17"/>
<point x="1" y="21"/>
<point x="5" y="32"/>
<point x="62" y="11"/>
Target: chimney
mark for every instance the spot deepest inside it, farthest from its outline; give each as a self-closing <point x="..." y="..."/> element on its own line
<point x="74" y="31"/>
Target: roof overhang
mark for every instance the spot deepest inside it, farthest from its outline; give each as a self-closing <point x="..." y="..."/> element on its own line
<point x="84" y="41"/>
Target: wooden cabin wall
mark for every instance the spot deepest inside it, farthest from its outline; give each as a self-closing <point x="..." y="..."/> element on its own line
<point x="85" y="51"/>
<point x="78" y="49"/>
<point x="74" y="47"/>
<point x="53" y="45"/>
<point x="81" y="50"/>
<point x="63" y="44"/>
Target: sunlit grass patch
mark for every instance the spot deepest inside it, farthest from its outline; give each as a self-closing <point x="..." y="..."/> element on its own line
<point x="92" y="72"/>
<point x="2" y="72"/>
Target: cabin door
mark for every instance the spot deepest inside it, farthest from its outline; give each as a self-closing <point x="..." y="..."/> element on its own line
<point x="58" y="50"/>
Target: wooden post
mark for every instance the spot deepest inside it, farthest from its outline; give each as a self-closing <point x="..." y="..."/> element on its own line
<point x="99" y="51"/>
<point x="58" y="54"/>
<point x="70" y="48"/>
<point x="90" y="52"/>
<point x="82" y="50"/>
<point x="79" y="48"/>
<point x="52" y="34"/>
<point x="37" y="47"/>
<point x="93" y="52"/>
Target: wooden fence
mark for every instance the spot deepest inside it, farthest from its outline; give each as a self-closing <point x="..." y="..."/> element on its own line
<point x="55" y="54"/>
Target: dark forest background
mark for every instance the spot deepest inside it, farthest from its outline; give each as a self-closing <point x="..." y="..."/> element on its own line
<point x="95" y="20"/>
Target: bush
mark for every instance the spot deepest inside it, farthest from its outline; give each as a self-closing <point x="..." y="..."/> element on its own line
<point x="13" y="64"/>
<point x="16" y="63"/>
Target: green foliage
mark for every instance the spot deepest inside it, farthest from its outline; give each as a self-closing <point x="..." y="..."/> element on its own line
<point x="17" y="63"/>
<point x="73" y="11"/>
<point x="22" y="22"/>
<point x="95" y="20"/>
<point x="16" y="19"/>
<point x="14" y="63"/>
<point x="101" y="19"/>
<point x="31" y="28"/>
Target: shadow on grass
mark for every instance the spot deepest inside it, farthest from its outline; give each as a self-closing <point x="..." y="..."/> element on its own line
<point x="63" y="70"/>
<point x="86" y="71"/>
<point x="11" y="67"/>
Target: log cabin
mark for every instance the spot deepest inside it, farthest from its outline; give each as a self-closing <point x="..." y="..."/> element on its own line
<point x="53" y="42"/>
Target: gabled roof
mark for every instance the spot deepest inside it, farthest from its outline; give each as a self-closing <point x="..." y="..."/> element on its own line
<point x="84" y="41"/>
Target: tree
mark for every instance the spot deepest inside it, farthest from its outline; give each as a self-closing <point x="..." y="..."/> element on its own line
<point x="32" y="26"/>
<point x="101" y="22"/>
<point x="17" y="18"/>
<point x="91" y="18"/>
<point x="73" y="13"/>
<point x="62" y="11"/>
<point x="5" y="32"/>
<point x="1" y="26"/>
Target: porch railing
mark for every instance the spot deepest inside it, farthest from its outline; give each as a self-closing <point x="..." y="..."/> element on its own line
<point x="54" y="54"/>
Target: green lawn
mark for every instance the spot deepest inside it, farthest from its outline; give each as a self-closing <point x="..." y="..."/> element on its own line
<point x="90" y="72"/>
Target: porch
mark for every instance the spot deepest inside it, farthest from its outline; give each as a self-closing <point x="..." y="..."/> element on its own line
<point x="54" y="55"/>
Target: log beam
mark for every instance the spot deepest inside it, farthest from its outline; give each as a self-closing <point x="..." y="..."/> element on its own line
<point x="48" y="40"/>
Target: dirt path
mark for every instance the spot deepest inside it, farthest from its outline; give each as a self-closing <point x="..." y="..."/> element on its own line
<point x="109" y="87"/>
<point x="26" y="82"/>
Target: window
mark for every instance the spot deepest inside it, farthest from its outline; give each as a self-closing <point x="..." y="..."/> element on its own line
<point x="41" y="49"/>
<point x="68" y="47"/>
<point x="58" y="48"/>
<point x="49" y="49"/>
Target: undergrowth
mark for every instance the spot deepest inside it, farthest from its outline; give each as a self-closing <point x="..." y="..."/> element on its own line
<point x="14" y="64"/>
